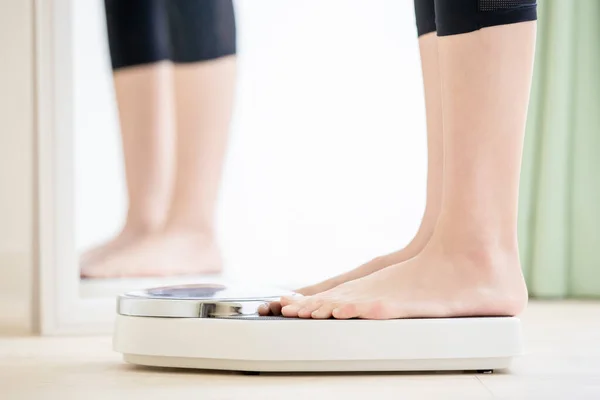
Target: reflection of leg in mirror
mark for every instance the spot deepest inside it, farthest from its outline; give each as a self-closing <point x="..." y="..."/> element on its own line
<point x="178" y="53"/>
<point x="470" y="266"/>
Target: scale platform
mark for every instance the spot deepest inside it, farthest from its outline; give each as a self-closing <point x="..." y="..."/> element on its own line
<point x="217" y="327"/>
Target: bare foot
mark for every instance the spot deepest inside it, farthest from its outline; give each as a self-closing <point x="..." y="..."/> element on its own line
<point x="436" y="283"/>
<point x="412" y="249"/>
<point x="126" y="238"/>
<point x="161" y="254"/>
<point x="366" y="269"/>
<point x="377" y="264"/>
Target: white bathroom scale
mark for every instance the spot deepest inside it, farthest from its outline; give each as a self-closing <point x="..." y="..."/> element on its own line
<point x="217" y="327"/>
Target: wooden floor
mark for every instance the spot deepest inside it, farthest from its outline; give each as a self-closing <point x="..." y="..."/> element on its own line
<point x="562" y="362"/>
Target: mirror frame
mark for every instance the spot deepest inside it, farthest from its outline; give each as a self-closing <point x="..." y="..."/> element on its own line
<point x="61" y="308"/>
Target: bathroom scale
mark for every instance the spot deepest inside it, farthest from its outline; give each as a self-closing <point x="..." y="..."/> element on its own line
<point x="217" y="327"/>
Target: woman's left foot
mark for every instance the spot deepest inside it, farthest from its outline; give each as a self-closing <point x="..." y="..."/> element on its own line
<point x="435" y="284"/>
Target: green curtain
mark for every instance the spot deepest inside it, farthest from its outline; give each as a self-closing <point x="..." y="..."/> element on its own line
<point x="559" y="217"/>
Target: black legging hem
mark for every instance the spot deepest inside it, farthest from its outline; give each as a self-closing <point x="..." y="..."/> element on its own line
<point x="454" y="17"/>
<point x="182" y="31"/>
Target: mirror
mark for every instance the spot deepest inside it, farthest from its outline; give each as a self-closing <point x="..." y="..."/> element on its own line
<point x="319" y="166"/>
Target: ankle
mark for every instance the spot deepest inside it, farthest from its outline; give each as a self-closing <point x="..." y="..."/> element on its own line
<point x="486" y="249"/>
<point x="424" y="233"/>
<point x="138" y="227"/>
<point x="201" y="232"/>
<point x="481" y="246"/>
<point x="466" y="233"/>
<point x="485" y="257"/>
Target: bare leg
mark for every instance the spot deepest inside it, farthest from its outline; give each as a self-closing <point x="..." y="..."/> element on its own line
<point x="432" y="85"/>
<point x="186" y="244"/>
<point x="204" y="105"/>
<point x="145" y="101"/>
<point x="470" y="267"/>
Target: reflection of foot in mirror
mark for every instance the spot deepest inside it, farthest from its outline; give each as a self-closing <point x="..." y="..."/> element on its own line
<point x="160" y="254"/>
<point x="100" y="253"/>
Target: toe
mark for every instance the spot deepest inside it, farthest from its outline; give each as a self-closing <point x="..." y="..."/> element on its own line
<point x="273" y="308"/>
<point x="312" y="303"/>
<point x="324" y="312"/>
<point x="264" y="309"/>
<point x="290" y="311"/>
<point x="304" y="312"/>
<point x="345" y="311"/>
<point x="302" y="308"/>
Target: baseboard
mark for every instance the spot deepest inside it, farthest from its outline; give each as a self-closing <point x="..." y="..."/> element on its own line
<point x="16" y="294"/>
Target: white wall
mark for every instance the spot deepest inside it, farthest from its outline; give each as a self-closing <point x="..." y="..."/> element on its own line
<point x="327" y="163"/>
<point x="17" y="149"/>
